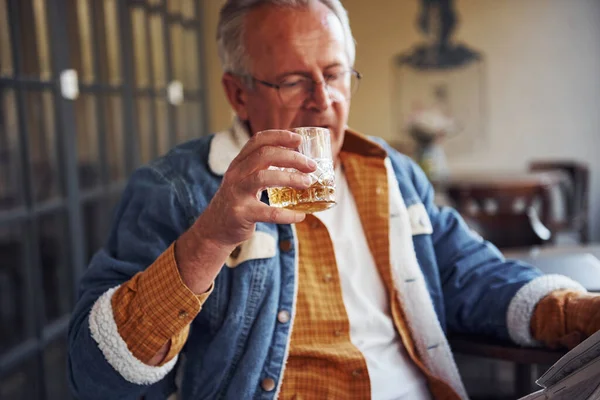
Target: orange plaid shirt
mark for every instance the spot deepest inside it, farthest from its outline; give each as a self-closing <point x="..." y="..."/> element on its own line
<point x="323" y="362"/>
<point x="155" y="307"/>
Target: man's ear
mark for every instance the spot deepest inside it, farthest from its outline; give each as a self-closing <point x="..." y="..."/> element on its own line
<point x="237" y="94"/>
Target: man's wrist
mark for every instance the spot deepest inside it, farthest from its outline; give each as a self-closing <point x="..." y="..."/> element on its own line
<point x="199" y="260"/>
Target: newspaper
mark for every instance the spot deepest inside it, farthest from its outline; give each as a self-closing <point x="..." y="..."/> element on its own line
<point x="576" y="376"/>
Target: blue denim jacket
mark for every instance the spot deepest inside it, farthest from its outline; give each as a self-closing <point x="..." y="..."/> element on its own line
<point x="235" y="341"/>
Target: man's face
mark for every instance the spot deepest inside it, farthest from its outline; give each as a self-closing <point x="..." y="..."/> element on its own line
<point x="283" y="43"/>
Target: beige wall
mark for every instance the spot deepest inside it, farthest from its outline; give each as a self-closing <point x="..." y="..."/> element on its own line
<point x="543" y="77"/>
<point x="219" y="112"/>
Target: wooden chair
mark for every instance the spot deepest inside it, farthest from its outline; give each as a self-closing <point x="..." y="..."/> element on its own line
<point x="508" y="215"/>
<point x="576" y="195"/>
<point x="524" y="358"/>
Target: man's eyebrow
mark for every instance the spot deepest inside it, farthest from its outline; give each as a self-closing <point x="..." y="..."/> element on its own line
<point x="305" y="73"/>
<point x="291" y="73"/>
<point x="333" y="65"/>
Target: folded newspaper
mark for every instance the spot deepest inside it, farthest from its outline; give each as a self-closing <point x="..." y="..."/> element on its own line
<point x="576" y="376"/>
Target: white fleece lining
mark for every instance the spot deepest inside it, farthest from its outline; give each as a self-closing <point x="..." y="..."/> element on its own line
<point x="104" y="331"/>
<point x="413" y="295"/>
<point x="520" y="309"/>
<point x="260" y="245"/>
<point x="226" y="145"/>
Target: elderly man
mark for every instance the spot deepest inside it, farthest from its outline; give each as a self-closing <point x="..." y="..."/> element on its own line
<point x="206" y="290"/>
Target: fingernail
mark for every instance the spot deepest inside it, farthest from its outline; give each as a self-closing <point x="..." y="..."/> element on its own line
<point x="311" y="163"/>
<point x="307" y="180"/>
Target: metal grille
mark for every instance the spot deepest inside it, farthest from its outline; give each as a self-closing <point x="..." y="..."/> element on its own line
<point x="64" y="163"/>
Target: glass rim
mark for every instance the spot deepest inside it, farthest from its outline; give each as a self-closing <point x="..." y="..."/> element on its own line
<point x="306" y="129"/>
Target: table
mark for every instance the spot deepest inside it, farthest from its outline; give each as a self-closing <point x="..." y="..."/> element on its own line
<point x="580" y="263"/>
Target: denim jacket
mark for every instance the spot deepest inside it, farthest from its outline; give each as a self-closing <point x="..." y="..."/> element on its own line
<point x="449" y="279"/>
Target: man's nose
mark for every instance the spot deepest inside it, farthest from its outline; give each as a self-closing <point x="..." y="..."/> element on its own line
<point x="320" y="98"/>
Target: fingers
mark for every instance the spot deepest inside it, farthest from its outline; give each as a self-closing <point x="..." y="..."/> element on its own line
<point x="276" y="215"/>
<point x="275" y="138"/>
<point x="249" y="174"/>
<point x="266" y="178"/>
<point x="267" y="156"/>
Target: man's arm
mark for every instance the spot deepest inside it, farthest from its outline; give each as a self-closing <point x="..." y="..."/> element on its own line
<point x="483" y="292"/>
<point x="140" y="293"/>
<point x="159" y="299"/>
<point x="109" y="346"/>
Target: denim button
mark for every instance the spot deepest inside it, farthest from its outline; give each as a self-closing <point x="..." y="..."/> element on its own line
<point x="268" y="384"/>
<point x="283" y="316"/>
<point x="285" y="245"/>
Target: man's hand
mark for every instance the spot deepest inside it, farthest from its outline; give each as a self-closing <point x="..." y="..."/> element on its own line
<point x="231" y="216"/>
<point x="564" y="318"/>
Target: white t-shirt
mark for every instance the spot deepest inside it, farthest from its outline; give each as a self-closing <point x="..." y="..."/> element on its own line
<point x="392" y="373"/>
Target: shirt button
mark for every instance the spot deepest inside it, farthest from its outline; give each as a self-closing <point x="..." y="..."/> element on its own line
<point x="379" y="190"/>
<point x="327" y="278"/>
<point x="268" y="384"/>
<point x="285" y="245"/>
<point x="283" y="316"/>
<point x="337" y="332"/>
<point x="182" y="314"/>
<point x="356" y="373"/>
<point x="314" y="224"/>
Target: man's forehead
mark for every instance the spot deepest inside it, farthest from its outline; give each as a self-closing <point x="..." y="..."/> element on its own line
<point x="275" y="34"/>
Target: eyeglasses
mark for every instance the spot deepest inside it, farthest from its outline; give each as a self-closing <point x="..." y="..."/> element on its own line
<point x="295" y="90"/>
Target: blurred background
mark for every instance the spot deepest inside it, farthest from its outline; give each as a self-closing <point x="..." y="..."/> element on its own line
<point x="498" y="101"/>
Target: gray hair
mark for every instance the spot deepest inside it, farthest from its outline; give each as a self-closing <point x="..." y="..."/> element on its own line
<point x="230" y="30"/>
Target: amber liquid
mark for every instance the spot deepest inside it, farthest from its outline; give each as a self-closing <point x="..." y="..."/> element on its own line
<point x="316" y="198"/>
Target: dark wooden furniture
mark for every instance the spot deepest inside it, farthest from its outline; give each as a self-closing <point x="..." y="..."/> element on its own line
<point x="576" y="193"/>
<point x="508" y="209"/>
<point x="491" y="348"/>
<point x="523" y="357"/>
